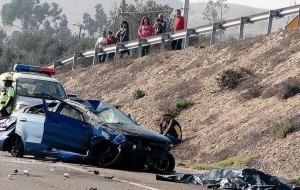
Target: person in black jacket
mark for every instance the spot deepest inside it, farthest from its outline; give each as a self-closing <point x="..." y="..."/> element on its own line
<point x="123" y="36"/>
<point x="170" y="128"/>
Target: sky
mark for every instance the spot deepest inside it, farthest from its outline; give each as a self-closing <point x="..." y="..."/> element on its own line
<point x="265" y="4"/>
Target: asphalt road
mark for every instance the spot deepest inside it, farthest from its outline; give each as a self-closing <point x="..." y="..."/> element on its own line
<point x="48" y="174"/>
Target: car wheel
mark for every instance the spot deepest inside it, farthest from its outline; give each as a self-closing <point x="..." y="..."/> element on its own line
<point x="167" y="164"/>
<point x="110" y="157"/>
<point x="17" y="149"/>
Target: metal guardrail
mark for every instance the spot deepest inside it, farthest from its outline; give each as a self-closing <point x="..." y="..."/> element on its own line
<point x="185" y="34"/>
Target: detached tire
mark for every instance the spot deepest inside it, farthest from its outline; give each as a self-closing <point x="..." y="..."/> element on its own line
<point x="167" y="164"/>
<point x="110" y="157"/>
<point x="17" y="149"/>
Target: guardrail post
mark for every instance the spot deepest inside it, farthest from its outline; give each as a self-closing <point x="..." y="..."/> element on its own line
<point x="187" y="37"/>
<point x="272" y="14"/>
<point x="117" y="51"/>
<point x="74" y="58"/>
<point x="299" y="18"/>
<point x="243" y="21"/>
<point x="96" y="57"/>
<point x="56" y="64"/>
<point x="140" y="46"/>
<point x="164" y="38"/>
<point x="215" y="27"/>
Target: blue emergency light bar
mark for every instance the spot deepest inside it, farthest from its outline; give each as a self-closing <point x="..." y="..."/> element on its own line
<point x="38" y="69"/>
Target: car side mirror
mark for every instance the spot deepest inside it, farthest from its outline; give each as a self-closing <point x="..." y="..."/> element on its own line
<point x="130" y="115"/>
<point x="73" y="96"/>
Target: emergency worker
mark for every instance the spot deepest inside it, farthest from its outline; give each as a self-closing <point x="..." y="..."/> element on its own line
<point x="170" y="128"/>
<point x="7" y="96"/>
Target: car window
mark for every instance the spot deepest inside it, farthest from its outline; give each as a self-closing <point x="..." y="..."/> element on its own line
<point x="34" y="87"/>
<point x="88" y="116"/>
<point x="71" y="112"/>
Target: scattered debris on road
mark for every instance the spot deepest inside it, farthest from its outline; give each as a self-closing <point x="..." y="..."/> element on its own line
<point x="26" y="172"/>
<point x="66" y="175"/>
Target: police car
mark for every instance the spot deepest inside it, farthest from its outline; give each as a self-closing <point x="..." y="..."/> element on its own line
<point x="30" y="81"/>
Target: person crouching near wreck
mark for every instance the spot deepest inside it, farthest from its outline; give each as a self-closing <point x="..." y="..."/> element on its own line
<point x="170" y="128"/>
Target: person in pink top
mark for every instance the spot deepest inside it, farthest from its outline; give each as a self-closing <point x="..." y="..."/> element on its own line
<point x="145" y="30"/>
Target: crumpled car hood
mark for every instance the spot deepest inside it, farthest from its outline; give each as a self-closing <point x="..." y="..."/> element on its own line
<point x="138" y="131"/>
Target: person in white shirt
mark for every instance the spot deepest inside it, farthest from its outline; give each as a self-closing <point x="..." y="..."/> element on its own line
<point x="99" y="44"/>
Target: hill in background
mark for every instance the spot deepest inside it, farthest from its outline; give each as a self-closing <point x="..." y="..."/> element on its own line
<point x="222" y="123"/>
<point x="75" y="9"/>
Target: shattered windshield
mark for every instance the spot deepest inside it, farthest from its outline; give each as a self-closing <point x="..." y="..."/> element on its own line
<point x="34" y="87"/>
<point x="113" y="115"/>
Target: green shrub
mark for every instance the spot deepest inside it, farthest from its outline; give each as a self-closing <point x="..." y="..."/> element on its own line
<point x="253" y="92"/>
<point x="178" y="105"/>
<point x="137" y="94"/>
<point x="230" y="79"/>
<point x="285" y="128"/>
<point x="291" y="91"/>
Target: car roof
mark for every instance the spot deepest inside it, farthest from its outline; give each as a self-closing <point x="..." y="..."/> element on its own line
<point x="29" y="75"/>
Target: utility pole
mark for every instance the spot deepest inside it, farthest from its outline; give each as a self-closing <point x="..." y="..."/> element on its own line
<point x="123" y="8"/>
<point x="186" y="13"/>
<point x="80" y="28"/>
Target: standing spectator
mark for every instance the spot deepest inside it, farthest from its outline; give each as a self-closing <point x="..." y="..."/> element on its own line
<point x="178" y="25"/>
<point x="99" y="44"/>
<point x="111" y="40"/>
<point x="145" y="30"/>
<point x="123" y="36"/>
<point x="157" y="27"/>
<point x="163" y="23"/>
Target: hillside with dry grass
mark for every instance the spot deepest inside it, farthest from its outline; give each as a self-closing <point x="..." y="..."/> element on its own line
<point x="245" y="120"/>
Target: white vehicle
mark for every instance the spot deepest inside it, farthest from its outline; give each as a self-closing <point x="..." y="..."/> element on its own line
<point x="30" y="81"/>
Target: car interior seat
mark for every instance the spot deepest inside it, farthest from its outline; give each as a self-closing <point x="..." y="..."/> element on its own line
<point x="70" y="112"/>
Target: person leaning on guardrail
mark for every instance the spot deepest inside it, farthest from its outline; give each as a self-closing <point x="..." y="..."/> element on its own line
<point x="157" y="27"/>
<point x="101" y="41"/>
<point x="123" y="36"/>
<point x="178" y="25"/>
<point x="110" y="39"/>
<point x="145" y="30"/>
<point x="163" y="23"/>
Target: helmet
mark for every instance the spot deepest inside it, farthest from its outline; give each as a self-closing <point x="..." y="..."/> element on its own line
<point x="8" y="77"/>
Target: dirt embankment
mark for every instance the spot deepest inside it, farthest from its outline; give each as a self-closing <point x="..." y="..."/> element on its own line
<point x="225" y="122"/>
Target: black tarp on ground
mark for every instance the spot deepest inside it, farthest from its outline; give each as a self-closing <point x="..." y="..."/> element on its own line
<point x="228" y="178"/>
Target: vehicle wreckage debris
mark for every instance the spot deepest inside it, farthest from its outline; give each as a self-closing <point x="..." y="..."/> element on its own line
<point x="26" y="172"/>
<point x="15" y="171"/>
<point x="66" y="175"/>
<point x="109" y="177"/>
<point x="96" y="172"/>
<point x="10" y="177"/>
<point x="92" y="188"/>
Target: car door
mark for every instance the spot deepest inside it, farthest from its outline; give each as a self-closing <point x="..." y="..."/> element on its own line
<point x="65" y="129"/>
<point x="30" y="128"/>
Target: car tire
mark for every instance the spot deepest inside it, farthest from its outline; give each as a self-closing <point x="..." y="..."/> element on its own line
<point x="17" y="149"/>
<point x="167" y="164"/>
<point x="110" y="157"/>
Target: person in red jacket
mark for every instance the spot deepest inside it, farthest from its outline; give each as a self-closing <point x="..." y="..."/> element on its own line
<point x="145" y="30"/>
<point x="178" y="25"/>
<point x="110" y="39"/>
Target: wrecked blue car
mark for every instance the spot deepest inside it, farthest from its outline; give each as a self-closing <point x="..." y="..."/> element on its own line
<point x="92" y="129"/>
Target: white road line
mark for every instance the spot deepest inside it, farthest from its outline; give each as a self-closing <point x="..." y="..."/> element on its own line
<point x="75" y="168"/>
<point x="116" y="179"/>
